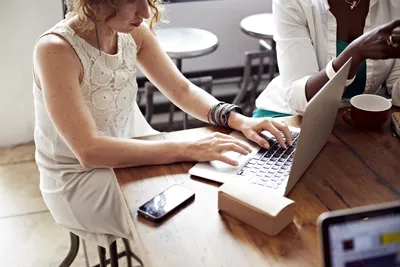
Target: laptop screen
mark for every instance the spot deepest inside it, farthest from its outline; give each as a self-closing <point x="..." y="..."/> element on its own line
<point x="367" y="242"/>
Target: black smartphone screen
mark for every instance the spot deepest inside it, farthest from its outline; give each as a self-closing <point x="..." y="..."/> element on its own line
<point x="163" y="203"/>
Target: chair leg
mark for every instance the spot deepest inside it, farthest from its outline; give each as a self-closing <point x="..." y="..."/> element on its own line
<point x="129" y="252"/>
<point x="102" y="256"/>
<point x="114" y="254"/>
<point x="171" y="116"/>
<point x="149" y="94"/>
<point x="73" y="251"/>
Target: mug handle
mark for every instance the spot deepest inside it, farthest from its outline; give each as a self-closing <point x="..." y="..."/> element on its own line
<point x="347" y="118"/>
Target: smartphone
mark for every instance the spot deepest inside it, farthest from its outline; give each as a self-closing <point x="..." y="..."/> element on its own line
<point x="160" y="206"/>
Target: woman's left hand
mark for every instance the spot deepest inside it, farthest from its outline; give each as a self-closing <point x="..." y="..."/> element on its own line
<point x="252" y="128"/>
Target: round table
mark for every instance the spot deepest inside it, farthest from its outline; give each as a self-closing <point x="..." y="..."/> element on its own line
<point x="260" y="26"/>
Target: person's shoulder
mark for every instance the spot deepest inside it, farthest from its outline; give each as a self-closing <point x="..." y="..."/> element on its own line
<point x="142" y="30"/>
<point x="140" y="33"/>
<point x="52" y="43"/>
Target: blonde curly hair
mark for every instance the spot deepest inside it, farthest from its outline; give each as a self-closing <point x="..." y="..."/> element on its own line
<point x="85" y="12"/>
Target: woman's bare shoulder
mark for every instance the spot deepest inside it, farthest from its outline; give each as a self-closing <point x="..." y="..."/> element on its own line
<point x="53" y="52"/>
<point x="54" y="44"/>
<point x="140" y="34"/>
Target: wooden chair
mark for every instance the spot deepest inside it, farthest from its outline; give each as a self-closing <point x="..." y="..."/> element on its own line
<point x="114" y="255"/>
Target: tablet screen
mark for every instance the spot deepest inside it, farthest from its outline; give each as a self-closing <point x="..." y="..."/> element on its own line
<point x="366" y="242"/>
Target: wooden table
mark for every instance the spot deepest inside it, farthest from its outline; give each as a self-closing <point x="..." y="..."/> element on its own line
<point x="355" y="168"/>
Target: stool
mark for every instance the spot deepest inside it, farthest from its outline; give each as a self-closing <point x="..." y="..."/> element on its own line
<point x="114" y="256"/>
<point x="181" y="43"/>
<point x="260" y="26"/>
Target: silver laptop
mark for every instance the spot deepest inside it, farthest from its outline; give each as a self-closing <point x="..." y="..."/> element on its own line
<point x="277" y="168"/>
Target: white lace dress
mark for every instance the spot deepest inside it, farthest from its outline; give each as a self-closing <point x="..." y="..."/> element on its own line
<point x="88" y="201"/>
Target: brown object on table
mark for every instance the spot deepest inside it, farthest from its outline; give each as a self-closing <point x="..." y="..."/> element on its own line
<point x="369" y="111"/>
<point x="395" y="118"/>
<point x="355" y="168"/>
<point x="255" y="205"/>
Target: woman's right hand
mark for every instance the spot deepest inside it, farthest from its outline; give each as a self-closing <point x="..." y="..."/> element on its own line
<point x="213" y="146"/>
<point x="371" y="45"/>
<point x="375" y="44"/>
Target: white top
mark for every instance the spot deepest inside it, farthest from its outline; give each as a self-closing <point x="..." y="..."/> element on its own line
<point x="306" y="41"/>
<point x="88" y="201"/>
<point x="109" y="88"/>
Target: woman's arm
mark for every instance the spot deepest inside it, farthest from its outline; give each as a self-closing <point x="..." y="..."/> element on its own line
<point x="58" y="69"/>
<point x="163" y="73"/>
<point x="297" y="58"/>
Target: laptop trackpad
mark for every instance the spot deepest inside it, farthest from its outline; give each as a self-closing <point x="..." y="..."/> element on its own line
<point x="241" y="159"/>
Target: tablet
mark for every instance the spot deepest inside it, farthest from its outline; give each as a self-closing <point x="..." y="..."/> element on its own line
<point x="361" y="237"/>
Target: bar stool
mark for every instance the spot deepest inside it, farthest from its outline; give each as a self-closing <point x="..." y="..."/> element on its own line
<point x="260" y="26"/>
<point x="114" y="255"/>
<point x="181" y="43"/>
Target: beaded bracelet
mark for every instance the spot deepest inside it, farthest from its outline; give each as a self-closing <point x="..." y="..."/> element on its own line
<point x="211" y="118"/>
<point x="225" y="115"/>
<point x="219" y="113"/>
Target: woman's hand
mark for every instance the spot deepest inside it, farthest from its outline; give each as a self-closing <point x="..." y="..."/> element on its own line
<point x="376" y="43"/>
<point x="371" y="45"/>
<point x="213" y="146"/>
<point x="252" y="128"/>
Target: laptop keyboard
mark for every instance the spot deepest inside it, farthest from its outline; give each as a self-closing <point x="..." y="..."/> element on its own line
<point x="270" y="167"/>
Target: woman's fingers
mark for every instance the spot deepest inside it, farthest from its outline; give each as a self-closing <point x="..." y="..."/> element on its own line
<point x="392" y="25"/>
<point x="227" y="160"/>
<point x="396" y="39"/>
<point x="240" y="144"/>
<point x="275" y="132"/>
<point x="223" y="136"/>
<point x="227" y="139"/>
<point x="233" y="147"/>
<point x="255" y="137"/>
<point x="282" y="126"/>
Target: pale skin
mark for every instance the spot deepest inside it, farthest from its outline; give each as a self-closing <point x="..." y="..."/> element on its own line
<point x="58" y="72"/>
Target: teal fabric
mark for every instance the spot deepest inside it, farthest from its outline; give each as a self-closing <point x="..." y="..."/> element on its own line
<point x="356" y="88"/>
<point x="261" y="113"/>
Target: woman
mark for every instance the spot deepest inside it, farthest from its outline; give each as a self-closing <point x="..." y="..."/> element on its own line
<point x="85" y="103"/>
<point x="313" y="36"/>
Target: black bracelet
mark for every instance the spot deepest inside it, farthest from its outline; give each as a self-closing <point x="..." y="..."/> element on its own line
<point x="220" y="111"/>
<point x="212" y="114"/>
<point x="225" y="115"/>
